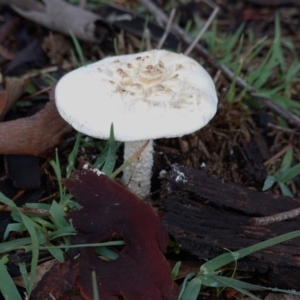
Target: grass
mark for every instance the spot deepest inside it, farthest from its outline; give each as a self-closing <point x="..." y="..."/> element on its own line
<point x="272" y="67"/>
<point x="257" y="62"/>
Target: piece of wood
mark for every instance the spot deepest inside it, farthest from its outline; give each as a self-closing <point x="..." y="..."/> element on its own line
<point x="206" y="215"/>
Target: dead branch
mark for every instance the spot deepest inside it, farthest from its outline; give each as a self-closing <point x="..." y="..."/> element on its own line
<point x="28" y="211"/>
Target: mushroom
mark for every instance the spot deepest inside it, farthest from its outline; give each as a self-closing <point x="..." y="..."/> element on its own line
<point x="149" y="95"/>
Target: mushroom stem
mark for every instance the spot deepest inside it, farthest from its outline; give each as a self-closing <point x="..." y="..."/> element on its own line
<point x="137" y="176"/>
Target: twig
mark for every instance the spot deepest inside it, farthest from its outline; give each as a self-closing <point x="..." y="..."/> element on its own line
<point x="275" y="218"/>
<point x="167" y="31"/>
<point x="39" y="72"/>
<point x="280" y="128"/>
<point x="202" y="31"/>
<point x="148" y="39"/>
<point x="277" y="155"/>
<point x="241" y="83"/>
<point x="290" y="117"/>
<point x="28" y="211"/>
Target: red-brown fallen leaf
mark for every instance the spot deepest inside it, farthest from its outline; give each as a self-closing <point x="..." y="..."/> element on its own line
<point x="57" y="283"/>
<point x="109" y="210"/>
<point x="36" y="135"/>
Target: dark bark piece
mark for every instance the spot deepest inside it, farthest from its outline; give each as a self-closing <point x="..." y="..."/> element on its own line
<point x="210" y="215"/>
<point x="24" y="171"/>
<point x="250" y="164"/>
<point x="229" y="195"/>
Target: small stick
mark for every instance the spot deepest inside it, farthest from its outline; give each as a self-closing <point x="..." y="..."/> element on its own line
<point x="148" y="39"/>
<point x="277" y="155"/>
<point x="28" y="211"/>
<point x="168" y="28"/>
<point x="262" y="221"/>
<point x="202" y="31"/>
<point x="292" y="131"/>
<point x="40" y="72"/>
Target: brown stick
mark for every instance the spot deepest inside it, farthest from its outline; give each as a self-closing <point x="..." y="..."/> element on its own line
<point x="262" y="221"/>
<point x="28" y="211"/>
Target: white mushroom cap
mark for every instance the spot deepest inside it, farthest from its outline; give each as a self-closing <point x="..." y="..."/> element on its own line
<point x="147" y="95"/>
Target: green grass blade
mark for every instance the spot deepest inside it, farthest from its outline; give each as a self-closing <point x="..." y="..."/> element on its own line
<point x="291" y="173"/>
<point x="192" y="289"/>
<point x="65" y="231"/>
<point x="57" y="170"/>
<point x="176" y="269"/>
<point x="107" y="253"/>
<point x="287" y="160"/>
<point x="113" y="243"/>
<point x="285" y="190"/>
<point x="111" y="154"/>
<point x="78" y="49"/>
<point x="73" y="155"/>
<point x="14" y="244"/>
<point x="95" y="286"/>
<point x="8" y="290"/>
<point x="269" y="181"/>
<point x="18" y="227"/>
<point x="35" y="249"/>
<point x="58" y="214"/>
<point x="23" y="271"/>
<point x="226" y="258"/>
<point x="184" y="284"/>
<point x="234" y="283"/>
<point x="57" y="253"/>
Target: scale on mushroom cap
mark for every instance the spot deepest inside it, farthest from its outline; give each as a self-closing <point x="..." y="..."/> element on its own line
<point x="149" y="95"/>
